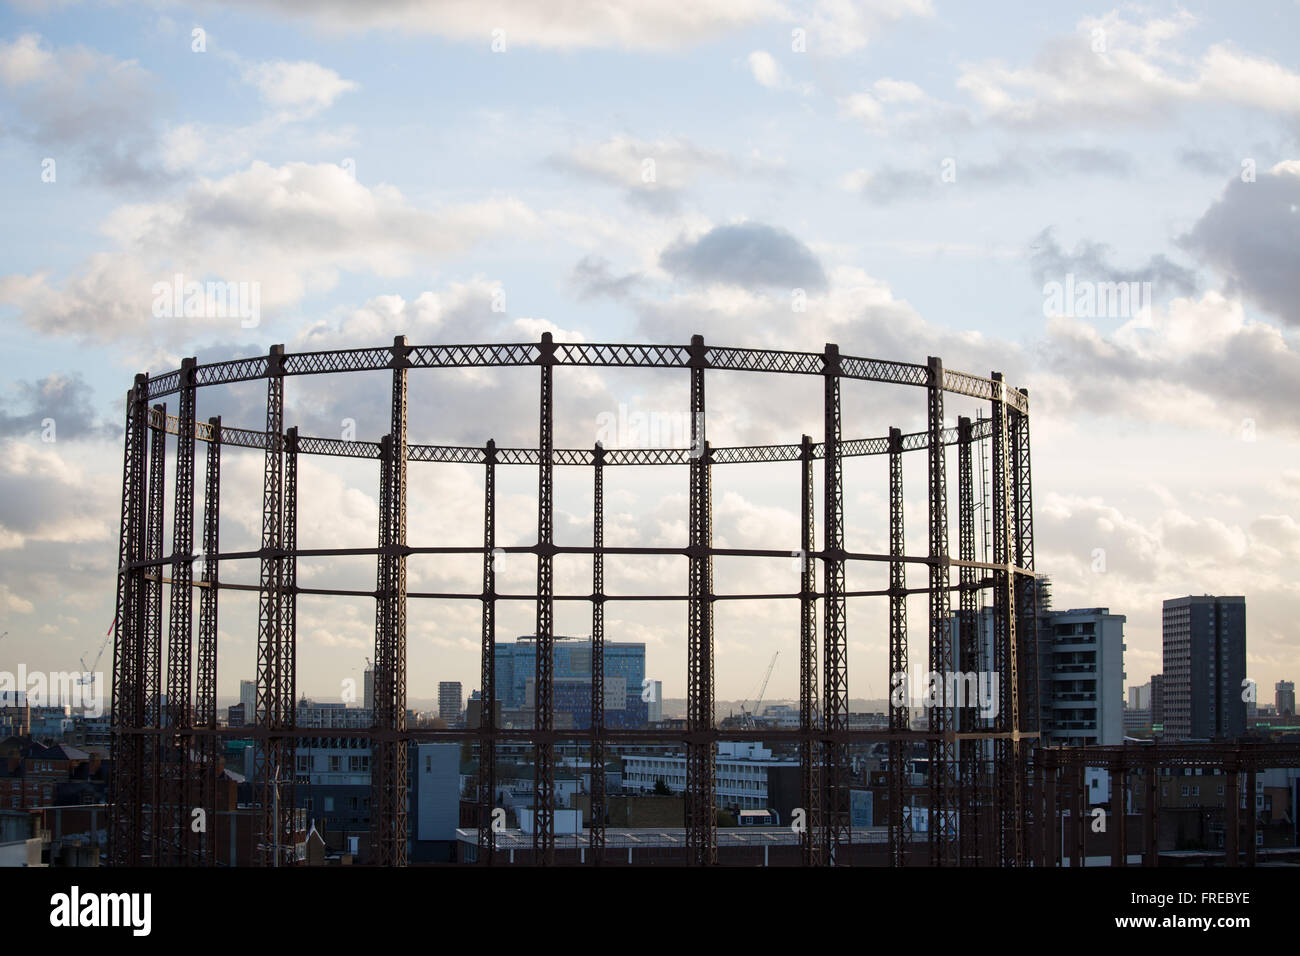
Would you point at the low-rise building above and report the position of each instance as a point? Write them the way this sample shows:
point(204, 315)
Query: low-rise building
point(741, 773)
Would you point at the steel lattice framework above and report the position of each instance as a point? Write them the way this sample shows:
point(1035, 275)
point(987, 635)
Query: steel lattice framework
point(978, 775)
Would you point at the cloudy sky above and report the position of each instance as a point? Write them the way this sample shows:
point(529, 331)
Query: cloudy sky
point(902, 177)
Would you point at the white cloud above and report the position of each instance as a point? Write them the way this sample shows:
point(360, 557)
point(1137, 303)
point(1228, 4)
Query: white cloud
point(645, 164)
point(1179, 549)
point(291, 228)
point(77, 102)
point(767, 72)
point(1117, 70)
point(583, 24)
point(13, 604)
point(299, 85)
point(44, 496)
point(893, 104)
point(841, 27)
point(1196, 362)
point(656, 173)
point(24, 61)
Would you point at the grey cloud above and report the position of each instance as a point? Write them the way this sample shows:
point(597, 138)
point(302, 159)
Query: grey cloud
point(893, 183)
point(1251, 236)
point(1249, 373)
point(1090, 260)
point(1206, 162)
point(66, 399)
point(1019, 167)
point(1109, 162)
point(94, 115)
point(746, 254)
point(656, 175)
point(592, 278)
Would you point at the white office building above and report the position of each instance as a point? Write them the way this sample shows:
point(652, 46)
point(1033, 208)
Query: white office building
point(741, 773)
point(332, 716)
point(1086, 695)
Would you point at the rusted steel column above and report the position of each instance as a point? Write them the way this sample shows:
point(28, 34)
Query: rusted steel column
point(205, 714)
point(1231, 813)
point(1118, 818)
point(596, 833)
point(488, 696)
point(701, 832)
point(1251, 850)
point(835, 662)
point(1151, 815)
point(810, 784)
point(1051, 811)
point(1080, 814)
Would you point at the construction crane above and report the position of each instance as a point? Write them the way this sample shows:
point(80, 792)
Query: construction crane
point(88, 673)
point(747, 716)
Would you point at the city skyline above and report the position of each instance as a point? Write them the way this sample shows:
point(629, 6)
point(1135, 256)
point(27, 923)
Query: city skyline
point(971, 205)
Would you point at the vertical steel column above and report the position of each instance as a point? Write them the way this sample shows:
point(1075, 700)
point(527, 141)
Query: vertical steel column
point(544, 698)
point(900, 718)
point(381, 751)
point(1150, 814)
point(1051, 811)
point(810, 840)
point(1118, 816)
point(205, 715)
point(968, 751)
point(1251, 852)
point(1008, 766)
point(835, 711)
point(487, 676)
point(397, 779)
point(125, 822)
point(289, 647)
point(1026, 598)
point(156, 819)
point(177, 774)
point(1231, 813)
point(943, 751)
point(1079, 823)
point(270, 711)
point(1039, 843)
point(701, 835)
point(1026, 585)
point(596, 832)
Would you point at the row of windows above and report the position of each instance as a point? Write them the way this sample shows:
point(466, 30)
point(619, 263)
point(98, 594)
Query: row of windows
point(734, 770)
point(327, 804)
point(355, 763)
point(729, 784)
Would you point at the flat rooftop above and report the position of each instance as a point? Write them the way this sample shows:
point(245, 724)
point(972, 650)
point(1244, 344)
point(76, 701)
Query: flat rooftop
point(669, 837)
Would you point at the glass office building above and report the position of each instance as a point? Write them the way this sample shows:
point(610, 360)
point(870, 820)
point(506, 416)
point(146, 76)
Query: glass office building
point(516, 667)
